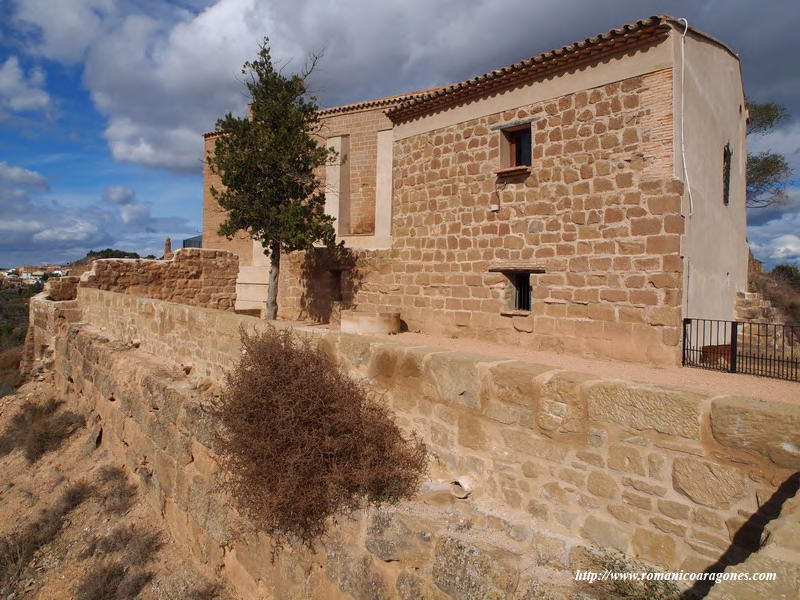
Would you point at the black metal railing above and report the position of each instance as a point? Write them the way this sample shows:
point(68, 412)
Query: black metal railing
point(765, 349)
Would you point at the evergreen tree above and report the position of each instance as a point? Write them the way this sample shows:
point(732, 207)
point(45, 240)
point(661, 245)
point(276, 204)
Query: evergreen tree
point(268, 164)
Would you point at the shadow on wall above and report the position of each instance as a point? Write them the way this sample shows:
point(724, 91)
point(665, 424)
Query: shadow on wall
point(330, 281)
point(748, 538)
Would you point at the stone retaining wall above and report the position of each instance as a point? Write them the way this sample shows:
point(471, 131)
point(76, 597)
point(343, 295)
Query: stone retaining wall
point(193, 276)
point(552, 461)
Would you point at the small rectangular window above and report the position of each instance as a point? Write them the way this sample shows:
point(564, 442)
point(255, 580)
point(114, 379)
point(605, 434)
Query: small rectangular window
point(519, 146)
point(522, 290)
point(727, 156)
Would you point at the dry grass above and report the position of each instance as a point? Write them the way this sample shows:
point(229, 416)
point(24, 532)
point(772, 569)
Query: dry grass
point(137, 544)
point(303, 442)
point(113, 581)
point(782, 289)
point(119, 495)
point(118, 572)
point(626, 589)
point(205, 592)
point(38, 428)
point(18, 548)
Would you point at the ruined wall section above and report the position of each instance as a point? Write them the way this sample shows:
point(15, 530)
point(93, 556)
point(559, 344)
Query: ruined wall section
point(665, 474)
point(193, 276)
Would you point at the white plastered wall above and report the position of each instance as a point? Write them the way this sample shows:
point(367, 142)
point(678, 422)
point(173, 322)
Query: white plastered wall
point(714, 244)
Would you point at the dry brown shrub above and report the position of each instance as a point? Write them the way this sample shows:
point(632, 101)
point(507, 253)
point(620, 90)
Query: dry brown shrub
point(113, 581)
point(118, 495)
point(18, 548)
point(139, 545)
point(781, 290)
point(303, 442)
point(38, 428)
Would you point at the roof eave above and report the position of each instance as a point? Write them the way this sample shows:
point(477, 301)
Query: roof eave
point(616, 41)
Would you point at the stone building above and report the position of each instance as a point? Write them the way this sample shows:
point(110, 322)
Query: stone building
point(584, 200)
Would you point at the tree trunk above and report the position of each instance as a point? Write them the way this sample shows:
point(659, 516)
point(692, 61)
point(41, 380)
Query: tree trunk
point(271, 311)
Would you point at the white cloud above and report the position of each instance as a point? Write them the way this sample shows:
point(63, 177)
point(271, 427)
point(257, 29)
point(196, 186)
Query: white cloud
point(13, 176)
point(34, 224)
point(64, 31)
point(117, 194)
point(74, 231)
point(775, 236)
point(19, 225)
point(162, 74)
point(20, 92)
point(785, 140)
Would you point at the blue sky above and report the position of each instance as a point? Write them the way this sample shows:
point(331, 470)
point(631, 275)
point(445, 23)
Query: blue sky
point(103, 102)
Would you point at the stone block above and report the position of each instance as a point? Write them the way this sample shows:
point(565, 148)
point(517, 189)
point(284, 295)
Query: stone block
point(605, 534)
point(644, 486)
point(394, 537)
point(709, 484)
point(529, 445)
point(468, 572)
point(643, 408)
point(673, 510)
point(624, 513)
point(411, 586)
point(766, 427)
point(626, 459)
point(602, 485)
point(656, 548)
point(513, 383)
point(456, 376)
point(472, 433)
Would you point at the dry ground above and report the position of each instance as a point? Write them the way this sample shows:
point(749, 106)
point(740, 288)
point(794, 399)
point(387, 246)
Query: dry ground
point(73, 526)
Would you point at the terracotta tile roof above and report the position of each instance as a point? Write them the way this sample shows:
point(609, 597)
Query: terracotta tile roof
point(409, 104)
point(627, 36)
point(387, 101)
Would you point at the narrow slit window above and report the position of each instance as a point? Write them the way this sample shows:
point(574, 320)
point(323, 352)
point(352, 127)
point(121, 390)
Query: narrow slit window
point(336, 285)
point(522, 290)
point(519, 145)
point(727, 156)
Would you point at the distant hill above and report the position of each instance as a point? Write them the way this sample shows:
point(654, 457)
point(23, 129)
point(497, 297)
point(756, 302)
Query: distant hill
point(84, 264)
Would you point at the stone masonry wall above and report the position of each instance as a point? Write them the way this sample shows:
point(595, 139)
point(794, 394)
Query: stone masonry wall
point(362, 127)
point(213, 216)
point(194, 276)
point(669, 475)
point(599, 214)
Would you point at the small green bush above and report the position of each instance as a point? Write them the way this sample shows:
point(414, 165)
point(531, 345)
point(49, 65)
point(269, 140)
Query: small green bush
point(302, 442)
